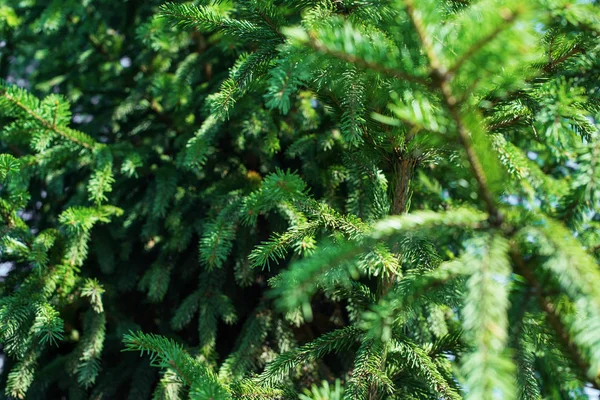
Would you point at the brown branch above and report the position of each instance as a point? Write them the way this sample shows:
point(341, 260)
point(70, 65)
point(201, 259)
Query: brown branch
point(441, 79)
point(315, 44)
point(270, 24)
point(179, 372)
point(505, 123)
point(551, 315)
point(553, 63)
point(547, 68)
point(508, 17)
point(404, 169)
point(474, 161)
point(434, 61)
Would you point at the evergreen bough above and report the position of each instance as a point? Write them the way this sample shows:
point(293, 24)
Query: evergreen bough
point(300, 199)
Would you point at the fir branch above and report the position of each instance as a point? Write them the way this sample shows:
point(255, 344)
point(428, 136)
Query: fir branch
point(338, 340)
point(487, 369)
point(21, 376)
point(269, 22)
point(358, 97)
point(69, 134)
point(366, 377)
point(551, 65)
point(509, 18)
point(551, 314)
point(496, 217)
point(415, 358)
point(249, 342)
point(314, 43)
point(166, 353)
point(424, 38)
point(441, 79)
point(206, 18)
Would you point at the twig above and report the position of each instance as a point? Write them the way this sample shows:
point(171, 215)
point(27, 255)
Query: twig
point(43, 122)
point(509, 17)
point(551, 314)
point(442, 79)
point(362, 63)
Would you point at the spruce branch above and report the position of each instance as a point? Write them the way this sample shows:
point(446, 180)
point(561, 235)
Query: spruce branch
point(67, 133)
point(358, 98)
point(552, 64)
point(551, 314)
point(425, 40)
point(338, 340)
point(415, 358)
point(509, 18)
point(270, 24)
point(441, 79)
point(496, 217)
point(166, 353)
point(368, 375)
point(314, 43)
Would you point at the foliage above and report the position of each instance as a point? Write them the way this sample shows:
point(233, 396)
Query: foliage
point(316, 199)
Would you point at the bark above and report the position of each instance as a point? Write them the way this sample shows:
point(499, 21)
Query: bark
point(404, 169)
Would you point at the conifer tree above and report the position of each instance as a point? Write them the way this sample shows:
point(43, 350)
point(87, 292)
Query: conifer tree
point(307, 199)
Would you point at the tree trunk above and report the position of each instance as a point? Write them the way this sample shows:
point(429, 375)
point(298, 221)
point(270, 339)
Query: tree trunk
point(404, 169)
